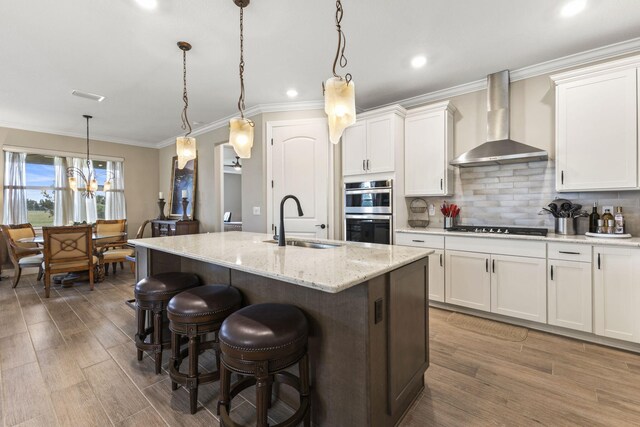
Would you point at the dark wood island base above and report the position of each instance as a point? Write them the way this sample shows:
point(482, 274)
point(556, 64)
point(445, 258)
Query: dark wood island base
point(368, 344)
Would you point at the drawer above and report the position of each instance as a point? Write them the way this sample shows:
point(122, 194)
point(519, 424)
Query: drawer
point(420, 239)
point(502, 246)
point(569, 252)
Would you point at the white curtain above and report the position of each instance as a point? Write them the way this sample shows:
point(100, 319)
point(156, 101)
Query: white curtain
point(14, 209)
point(115, 206)
point(63, 201)
point(84, 209)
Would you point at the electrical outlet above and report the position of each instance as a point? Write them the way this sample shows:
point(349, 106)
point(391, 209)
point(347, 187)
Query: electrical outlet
point(256, 210)
point(432, 210)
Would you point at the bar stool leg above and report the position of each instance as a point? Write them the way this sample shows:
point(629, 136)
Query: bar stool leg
point(141, 327)
point(303, 367)
point(262, 397)
point(175, 355)
point(192, 382)
point(157, 338)
point(270, 390)
point(225, 385)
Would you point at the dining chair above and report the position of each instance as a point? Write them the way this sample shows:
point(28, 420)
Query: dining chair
point(139, 235)
point(22, 255)
point(68, 249)
point(114, 250)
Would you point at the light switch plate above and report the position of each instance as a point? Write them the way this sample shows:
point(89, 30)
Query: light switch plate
point(256, 210)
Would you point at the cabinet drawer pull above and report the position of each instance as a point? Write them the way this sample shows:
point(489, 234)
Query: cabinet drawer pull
point(486, 265)
point(368, 165)
point(440, 260)
point(441, 183)
point(552, 272)
point(493, 265)
point(569, 252)
point(363, 167)
point(598, 261)
point(418, 241)
point(561, 177)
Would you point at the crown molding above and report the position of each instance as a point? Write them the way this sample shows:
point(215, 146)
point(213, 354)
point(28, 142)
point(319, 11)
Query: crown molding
point(548, 67)
point(249, 112)
point(82, 135)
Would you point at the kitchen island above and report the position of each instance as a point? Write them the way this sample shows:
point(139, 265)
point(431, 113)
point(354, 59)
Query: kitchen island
point(367, 307)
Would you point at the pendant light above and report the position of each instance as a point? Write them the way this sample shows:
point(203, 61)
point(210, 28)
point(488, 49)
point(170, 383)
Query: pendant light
point(339, 92)
point(185, 145)
point(241, 128)
point(88, 183)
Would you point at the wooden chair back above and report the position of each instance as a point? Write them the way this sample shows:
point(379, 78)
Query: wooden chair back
point(12, 234)
point(140, 232)
point(64, 246)
point(104, 226)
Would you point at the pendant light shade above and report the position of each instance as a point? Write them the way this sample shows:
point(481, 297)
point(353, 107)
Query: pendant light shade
point(73, 183)
point(339, 92)
point(241, 136)
point(186, 148)
point(185, 145)
point(340, 106)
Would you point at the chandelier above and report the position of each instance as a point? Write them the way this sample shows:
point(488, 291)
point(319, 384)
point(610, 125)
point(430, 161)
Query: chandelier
point(88, 183)
point(185, 145)
point(241, 128)
point(339, 92)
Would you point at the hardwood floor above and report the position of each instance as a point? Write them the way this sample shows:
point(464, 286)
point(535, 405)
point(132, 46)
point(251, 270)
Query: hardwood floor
point(70, 361)
point(475, 380)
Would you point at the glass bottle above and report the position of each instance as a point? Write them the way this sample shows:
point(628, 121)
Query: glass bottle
point(593, 219)
point(619, 221)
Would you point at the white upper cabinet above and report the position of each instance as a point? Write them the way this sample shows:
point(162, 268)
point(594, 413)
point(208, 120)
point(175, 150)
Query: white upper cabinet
point(428, 146)
point(370, 145)
point(596, 127)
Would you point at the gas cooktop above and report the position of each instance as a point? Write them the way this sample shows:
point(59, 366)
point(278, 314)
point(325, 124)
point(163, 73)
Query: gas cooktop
point(481, 229)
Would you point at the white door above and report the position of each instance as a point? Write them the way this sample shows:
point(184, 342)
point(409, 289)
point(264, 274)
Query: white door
point(380, 146)
point(425, 154)
point(616, 282)
point(519, 287)
point(300, 166)
point(468, 280)
point(436, 275)
point(597, 121)
point(354, 149)
point(570, 302)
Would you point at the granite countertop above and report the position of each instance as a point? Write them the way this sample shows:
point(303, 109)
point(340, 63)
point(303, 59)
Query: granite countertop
point(330, 270)
point(551, 237)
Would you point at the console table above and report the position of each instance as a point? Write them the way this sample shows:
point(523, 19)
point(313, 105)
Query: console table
point(173, 227)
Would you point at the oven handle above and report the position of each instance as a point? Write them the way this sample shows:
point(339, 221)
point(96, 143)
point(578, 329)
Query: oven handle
point(371, 191)
point(380, 217)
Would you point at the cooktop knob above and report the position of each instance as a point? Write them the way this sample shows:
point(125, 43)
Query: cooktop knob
point(506, 231)
point(499, 230)
point(484, 230)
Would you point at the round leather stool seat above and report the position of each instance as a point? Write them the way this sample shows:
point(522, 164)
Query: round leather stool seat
point(204, 304)
point(265, 332)
point(165, 284)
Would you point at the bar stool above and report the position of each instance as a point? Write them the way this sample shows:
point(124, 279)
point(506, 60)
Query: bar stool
point(260, 341)
point(152, 296)
point(195, 313)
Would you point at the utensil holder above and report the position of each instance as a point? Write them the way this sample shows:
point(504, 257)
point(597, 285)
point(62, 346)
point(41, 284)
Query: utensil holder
point(449, 221)
point(566, 226)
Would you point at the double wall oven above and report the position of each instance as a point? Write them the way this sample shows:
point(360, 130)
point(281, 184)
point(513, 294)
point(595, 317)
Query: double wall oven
point(368, 211)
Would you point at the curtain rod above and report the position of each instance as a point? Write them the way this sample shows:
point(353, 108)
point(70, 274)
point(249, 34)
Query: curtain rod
point(32, 150)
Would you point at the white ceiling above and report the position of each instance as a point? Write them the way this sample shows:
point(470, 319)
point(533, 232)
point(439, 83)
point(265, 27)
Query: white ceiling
point(116, 49)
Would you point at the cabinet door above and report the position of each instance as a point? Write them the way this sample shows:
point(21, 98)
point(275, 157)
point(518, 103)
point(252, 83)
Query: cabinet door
point(519, 287)
point(597, 121)
point(354, 149)
point(380, 144)
point(616, 281)
point(468, 280)
point(570, 302)
point(425, 160)
point(436, 276)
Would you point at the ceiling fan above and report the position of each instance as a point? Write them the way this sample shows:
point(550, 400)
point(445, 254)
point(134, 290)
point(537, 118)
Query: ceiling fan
point(235, 165)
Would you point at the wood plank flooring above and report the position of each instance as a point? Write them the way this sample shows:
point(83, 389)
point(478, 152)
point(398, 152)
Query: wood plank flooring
point(70, 361)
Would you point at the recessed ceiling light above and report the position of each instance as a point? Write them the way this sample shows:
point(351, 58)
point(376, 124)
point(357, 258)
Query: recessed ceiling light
point(147, 4)
point(573, 8)
point(418, 61)
point(88, 95)
point(292, 93)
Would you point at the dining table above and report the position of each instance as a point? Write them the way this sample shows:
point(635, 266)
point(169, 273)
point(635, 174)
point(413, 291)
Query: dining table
point(69, 278)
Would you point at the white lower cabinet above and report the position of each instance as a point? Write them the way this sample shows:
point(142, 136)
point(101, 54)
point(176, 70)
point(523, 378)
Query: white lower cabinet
point(518, 287)
point(436, 261)
point(468, 281)
point(569, 288)
point(616, 280)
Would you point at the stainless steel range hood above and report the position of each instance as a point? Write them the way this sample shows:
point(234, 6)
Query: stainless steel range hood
point(499, 148)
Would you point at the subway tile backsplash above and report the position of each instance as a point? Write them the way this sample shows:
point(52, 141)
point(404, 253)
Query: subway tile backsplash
point(514, 195)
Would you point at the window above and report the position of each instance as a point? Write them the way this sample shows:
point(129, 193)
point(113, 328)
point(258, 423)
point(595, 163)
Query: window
point(40, 186)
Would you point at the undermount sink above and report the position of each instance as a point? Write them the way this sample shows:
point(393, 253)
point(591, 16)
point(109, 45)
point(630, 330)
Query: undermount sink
point(306, 244)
